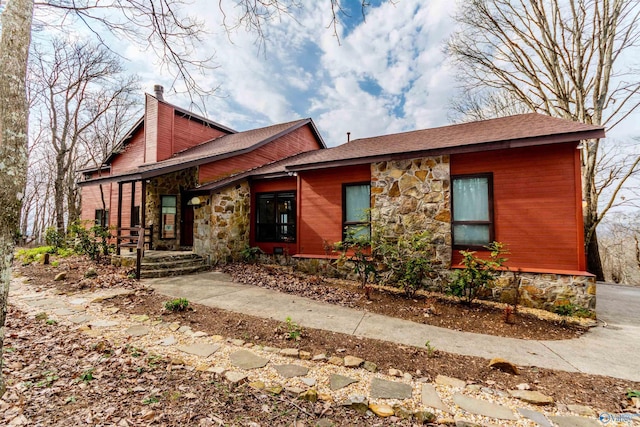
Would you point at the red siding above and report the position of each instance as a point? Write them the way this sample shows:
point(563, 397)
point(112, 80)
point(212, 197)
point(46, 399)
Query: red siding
point(151, 130)
point(189, 133)
point(266, 186)
point(164, 143)
point(91, 200)
point(298, 141)
point(126, 203)
point(132, 156)
point(320, 205)
point(537, 204)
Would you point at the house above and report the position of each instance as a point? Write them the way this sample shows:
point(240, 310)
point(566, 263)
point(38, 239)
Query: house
point(515, 180)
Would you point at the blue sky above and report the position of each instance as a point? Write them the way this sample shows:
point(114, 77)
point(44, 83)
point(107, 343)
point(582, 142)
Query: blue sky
point(386, 75)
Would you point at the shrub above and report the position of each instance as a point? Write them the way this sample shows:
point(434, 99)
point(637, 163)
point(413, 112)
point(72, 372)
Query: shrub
point(93, 242)
point(54, 238)
point(477, 273)
point(570, 309)
point(356, 248)
point(178, 304)
point(408, 258)
point(27, 256)
point(251, 253)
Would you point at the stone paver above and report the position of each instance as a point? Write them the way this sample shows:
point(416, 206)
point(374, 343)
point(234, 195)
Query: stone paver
point(384, 389)
point(245, 359)
point(352, 361)
point(137, 331)
point(170, 340)
point(535, 416)
point(574, 421)
point(64, 312)
point(482, 407)
point(202, 350)
point(450, 381)
point(336, 382)
point(235, 377)
point(102, 323)
point(532, 396)
point(291, 370)
point(431, 399)
point(81, 318)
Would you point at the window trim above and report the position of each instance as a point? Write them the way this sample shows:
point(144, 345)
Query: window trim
point(175, 225)
point(346, 223)
point(294, 216)
point(490, 222)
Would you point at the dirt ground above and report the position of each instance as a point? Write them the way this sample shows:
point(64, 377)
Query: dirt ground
point(570, 388)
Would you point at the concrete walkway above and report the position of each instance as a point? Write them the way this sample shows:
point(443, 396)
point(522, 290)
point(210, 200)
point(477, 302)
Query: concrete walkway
point(610, 350)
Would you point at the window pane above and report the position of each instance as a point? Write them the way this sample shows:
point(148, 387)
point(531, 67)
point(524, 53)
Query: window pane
point(472, 235)
point(276, 217)
point(169, 201)
point(266, 209)
point(471, 199)
point(168, 217)
point(357, 203)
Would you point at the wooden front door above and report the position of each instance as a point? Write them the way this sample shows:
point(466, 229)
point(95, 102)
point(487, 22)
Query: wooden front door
point(186, 223)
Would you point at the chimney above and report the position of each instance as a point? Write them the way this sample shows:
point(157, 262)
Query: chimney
point(348, 136)
point(158, 90)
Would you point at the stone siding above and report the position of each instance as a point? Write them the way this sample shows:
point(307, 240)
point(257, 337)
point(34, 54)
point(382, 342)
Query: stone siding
point(171, 184)
point(409, 196)
point(221, 224)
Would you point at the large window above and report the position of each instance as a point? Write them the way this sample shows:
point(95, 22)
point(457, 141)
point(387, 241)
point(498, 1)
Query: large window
point(102, 217)
point(356, 199)
point(276, 217)
point(168, 213)
point(472, 210)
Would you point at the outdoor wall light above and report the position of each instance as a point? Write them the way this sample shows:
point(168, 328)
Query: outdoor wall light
point(195, 201)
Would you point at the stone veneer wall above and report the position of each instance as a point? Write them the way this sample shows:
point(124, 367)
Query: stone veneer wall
point(409, 196)
point(221, 224)
point(170, 184)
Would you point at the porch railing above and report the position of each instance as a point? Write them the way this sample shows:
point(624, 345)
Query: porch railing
point(134, 237)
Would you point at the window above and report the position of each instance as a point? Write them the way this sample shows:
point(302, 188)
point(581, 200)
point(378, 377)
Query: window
point(168, 212)
point(102, 217)
point(356, 203)
point(472, 210)
point(135, 216)
point(276, 217)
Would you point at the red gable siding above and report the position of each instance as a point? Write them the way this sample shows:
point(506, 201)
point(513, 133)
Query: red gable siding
point(189, 133)
point(537, 203)
point(150, 130)
point(132, 156)
point(91, 200)
point(320, 205)
point(297, 141)
point(164, 125)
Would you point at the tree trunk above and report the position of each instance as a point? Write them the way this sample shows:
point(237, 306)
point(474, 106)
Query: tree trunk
point(594, 263)
point(59, 193)
point(14, 51)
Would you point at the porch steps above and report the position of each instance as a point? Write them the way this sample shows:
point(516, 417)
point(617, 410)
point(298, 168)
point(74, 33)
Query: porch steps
point(165, 264)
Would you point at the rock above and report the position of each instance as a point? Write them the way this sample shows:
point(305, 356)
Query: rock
point(424, 417)
point(523, 386)
point(217, 370)
point(323, 422)
point(482, 407)
point(474, 387)
point(358, 403)
point(290, 352)
point(381, 410)
point(310, 395)
point(573, 421)
point(503, 365)
point(319, 357)
point(199, 334)
point(325, 397)
point(352, 361)
point(173, 327)
point(185, 330)
point(294, 390)
point(237, 342)
point(258, 385)
point(82, 318)
point(290, 370)
point(336, 382)
point(535, 416)
point(451, 382)
point(304, 355)
point(170, 340)
point(309, 381)
point(60, 276)
point(407, 376)
point(534, 397)
point(137, 331)
point(585, 411)
point(431, 399)
point(466, 423)
point(370, 366)
point(202, 350)
point(235, 377)
point(245, 359)
point(140, 318)
point(276, 389)
point(335, 360)
point(383, 389)
point(90, 273)
point(402, 412)
point(102, 323)
point(177, 361)
point(395, 372)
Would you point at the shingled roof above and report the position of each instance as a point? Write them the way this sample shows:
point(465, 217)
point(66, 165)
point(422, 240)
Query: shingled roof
point(216, 149)
point(505, 132)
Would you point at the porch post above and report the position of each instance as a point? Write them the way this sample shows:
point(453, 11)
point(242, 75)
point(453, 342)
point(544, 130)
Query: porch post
point(133, 203)
point(143, 211)
point(119, 218)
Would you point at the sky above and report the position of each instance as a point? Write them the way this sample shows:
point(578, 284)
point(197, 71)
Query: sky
point(386, 74)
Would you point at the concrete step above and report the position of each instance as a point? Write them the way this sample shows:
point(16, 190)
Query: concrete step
point(168, 272)
point(176, 263)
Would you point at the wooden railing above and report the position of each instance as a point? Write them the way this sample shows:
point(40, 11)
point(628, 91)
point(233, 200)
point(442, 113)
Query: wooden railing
point(134, 238)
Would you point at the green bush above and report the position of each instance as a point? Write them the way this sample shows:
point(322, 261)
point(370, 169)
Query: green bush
point(54, 238)
point(570, 309)
point(478, 273)
point(178, 304)
point(356, 248)
point(408, 258)
point(251, 253)
point(93, 242)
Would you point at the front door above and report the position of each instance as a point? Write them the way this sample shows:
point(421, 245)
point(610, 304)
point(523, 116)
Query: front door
point(186, 223)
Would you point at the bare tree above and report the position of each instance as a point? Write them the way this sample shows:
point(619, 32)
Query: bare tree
point(78, 83)
point(14, 51)
point(564, 58)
